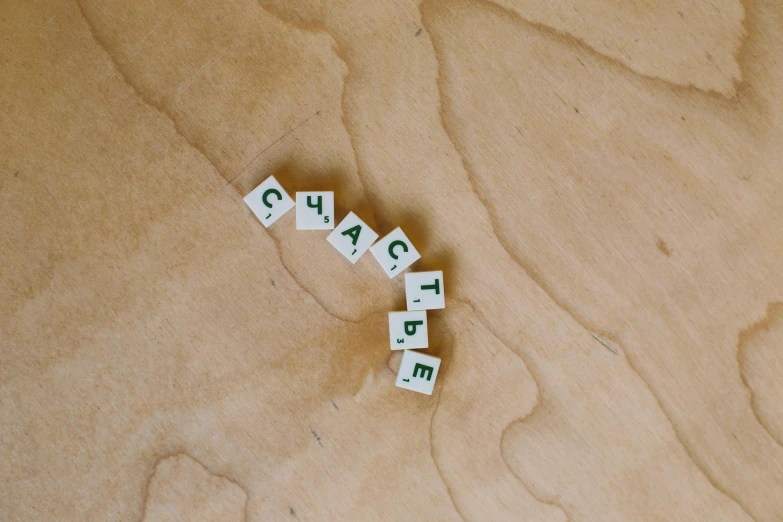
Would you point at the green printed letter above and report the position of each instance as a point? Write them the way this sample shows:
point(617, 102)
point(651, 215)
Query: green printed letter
point(394, 244)
point(318, 205)
point(265, 196)
point(425, 370)
point(434, 286)
point(353, 233)
point(410, 327)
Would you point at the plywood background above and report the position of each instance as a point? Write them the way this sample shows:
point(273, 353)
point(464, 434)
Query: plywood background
point(600, 181)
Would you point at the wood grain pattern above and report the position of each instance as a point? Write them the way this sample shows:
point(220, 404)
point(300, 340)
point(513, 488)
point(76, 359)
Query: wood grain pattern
point(600, 182)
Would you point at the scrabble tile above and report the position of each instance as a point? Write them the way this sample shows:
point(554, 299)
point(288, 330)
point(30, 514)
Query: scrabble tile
point(424, 290)
point(395, 252)
point(314, 210)
point(269, 201)
point(408, 330)
point(418, 372)
point(352, 237)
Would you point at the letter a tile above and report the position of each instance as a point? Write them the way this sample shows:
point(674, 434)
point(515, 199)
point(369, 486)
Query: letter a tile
point(352, 237)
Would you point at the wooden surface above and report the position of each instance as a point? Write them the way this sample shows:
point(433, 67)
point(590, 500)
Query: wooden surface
point(599, 180)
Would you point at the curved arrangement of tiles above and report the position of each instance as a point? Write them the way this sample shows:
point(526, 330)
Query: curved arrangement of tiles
point(352, 237)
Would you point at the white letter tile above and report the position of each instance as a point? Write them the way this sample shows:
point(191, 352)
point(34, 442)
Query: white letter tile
point(269, 201)
point(424, 290)
point(408, 330)
point(418, 372)
point(314, 210)
point(395, 252)
point(352, 237)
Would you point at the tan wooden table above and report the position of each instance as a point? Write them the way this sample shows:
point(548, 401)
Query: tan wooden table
point(600, 181)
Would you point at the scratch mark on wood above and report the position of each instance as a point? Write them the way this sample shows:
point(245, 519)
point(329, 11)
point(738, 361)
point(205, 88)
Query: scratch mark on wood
point(316, 437)
point(184, 86)
point(135, 47)
point(244, 170)
point(603, 343)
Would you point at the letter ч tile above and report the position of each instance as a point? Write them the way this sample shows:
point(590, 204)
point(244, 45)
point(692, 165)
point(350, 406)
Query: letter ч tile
point(314, 210)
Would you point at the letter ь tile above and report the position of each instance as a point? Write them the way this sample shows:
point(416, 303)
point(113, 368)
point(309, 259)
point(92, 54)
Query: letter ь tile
point(408, 330)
